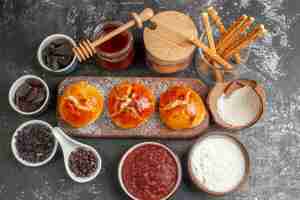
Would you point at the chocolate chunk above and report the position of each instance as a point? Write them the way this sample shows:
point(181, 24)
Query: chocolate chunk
point(23, 90)
point(30, 95)
point(35, 83)
point(58, 54)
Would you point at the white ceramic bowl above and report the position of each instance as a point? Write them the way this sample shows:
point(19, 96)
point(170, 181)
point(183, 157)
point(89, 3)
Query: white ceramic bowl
point(179, 169)
point(45, 43)
point(15, 151)
point(226, 136)
point(93, 175)
point(17, 84)
point(68, 145)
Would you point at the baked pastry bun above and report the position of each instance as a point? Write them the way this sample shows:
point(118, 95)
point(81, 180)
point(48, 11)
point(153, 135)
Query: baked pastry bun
point(181, 107)
point(81, 104)
point(130, 104)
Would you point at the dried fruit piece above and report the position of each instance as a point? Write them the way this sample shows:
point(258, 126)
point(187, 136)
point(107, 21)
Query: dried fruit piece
point(35, 143)
point(83, 162)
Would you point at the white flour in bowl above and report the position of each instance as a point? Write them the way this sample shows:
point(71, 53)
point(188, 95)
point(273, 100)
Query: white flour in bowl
point(218, 163)
point(240, 108)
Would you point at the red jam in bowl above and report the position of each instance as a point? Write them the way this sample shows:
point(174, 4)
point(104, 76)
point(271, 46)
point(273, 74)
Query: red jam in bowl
point(150, 172)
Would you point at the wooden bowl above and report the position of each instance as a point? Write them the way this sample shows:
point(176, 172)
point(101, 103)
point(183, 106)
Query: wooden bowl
point(244, 152)
point(178, 164)
point(219, 89)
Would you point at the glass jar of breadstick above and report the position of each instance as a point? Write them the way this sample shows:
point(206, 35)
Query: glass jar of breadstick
point(207, 69)
point(231, 43)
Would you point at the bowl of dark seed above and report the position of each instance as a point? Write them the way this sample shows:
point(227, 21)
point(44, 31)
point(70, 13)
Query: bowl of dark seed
point(55, 54)
point(84, 164)
point(33, 143)
point(29, 95)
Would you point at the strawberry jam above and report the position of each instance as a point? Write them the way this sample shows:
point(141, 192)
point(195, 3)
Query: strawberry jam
point(150, 172)
point(116, 53)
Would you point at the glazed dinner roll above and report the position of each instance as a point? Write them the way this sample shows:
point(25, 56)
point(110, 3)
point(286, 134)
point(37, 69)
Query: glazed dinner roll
point(180, 107)
point(81, 104)
point(130, 104)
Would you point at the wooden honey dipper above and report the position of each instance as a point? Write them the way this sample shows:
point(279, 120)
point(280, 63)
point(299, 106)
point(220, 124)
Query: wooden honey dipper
point(86, 49)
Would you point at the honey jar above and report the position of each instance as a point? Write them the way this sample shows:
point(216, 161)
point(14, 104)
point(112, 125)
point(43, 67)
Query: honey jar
point(166, 51)
point(116, 53)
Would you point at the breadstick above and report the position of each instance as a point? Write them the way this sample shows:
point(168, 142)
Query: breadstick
point(218, 74)
point(244, 41)
point(235, 23)
point(217, 20)
point(230, 36)
point(244, 28)
point(248, 22)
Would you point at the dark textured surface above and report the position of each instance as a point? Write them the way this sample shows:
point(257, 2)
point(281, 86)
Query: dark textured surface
point(273, 143)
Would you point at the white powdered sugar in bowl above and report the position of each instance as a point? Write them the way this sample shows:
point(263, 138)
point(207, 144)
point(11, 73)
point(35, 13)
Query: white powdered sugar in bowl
point(217, 164)
point(240, 108)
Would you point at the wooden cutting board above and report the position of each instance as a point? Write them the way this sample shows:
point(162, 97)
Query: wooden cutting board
point(153, 128)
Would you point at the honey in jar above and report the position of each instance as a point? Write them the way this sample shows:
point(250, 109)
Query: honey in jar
point(116, 53)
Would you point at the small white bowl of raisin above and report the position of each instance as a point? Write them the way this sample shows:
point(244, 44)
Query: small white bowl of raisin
point(33, 143)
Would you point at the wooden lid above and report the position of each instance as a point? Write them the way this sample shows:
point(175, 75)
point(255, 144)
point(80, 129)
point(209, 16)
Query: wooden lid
point(164, 45)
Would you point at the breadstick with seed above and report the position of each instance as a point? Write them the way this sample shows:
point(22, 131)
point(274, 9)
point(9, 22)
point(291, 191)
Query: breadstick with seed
point(245, 41)
point(247, 24)
point(231, 35)
point(211, 43)
point(237, 34)
point(218, 21)
point(236, 22)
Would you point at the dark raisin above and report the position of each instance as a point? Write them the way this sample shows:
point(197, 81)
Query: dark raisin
point(35, 143)
point(83, 162)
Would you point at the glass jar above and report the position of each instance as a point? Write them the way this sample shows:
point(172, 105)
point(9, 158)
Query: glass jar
point(116, 53)
point(205, 68)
